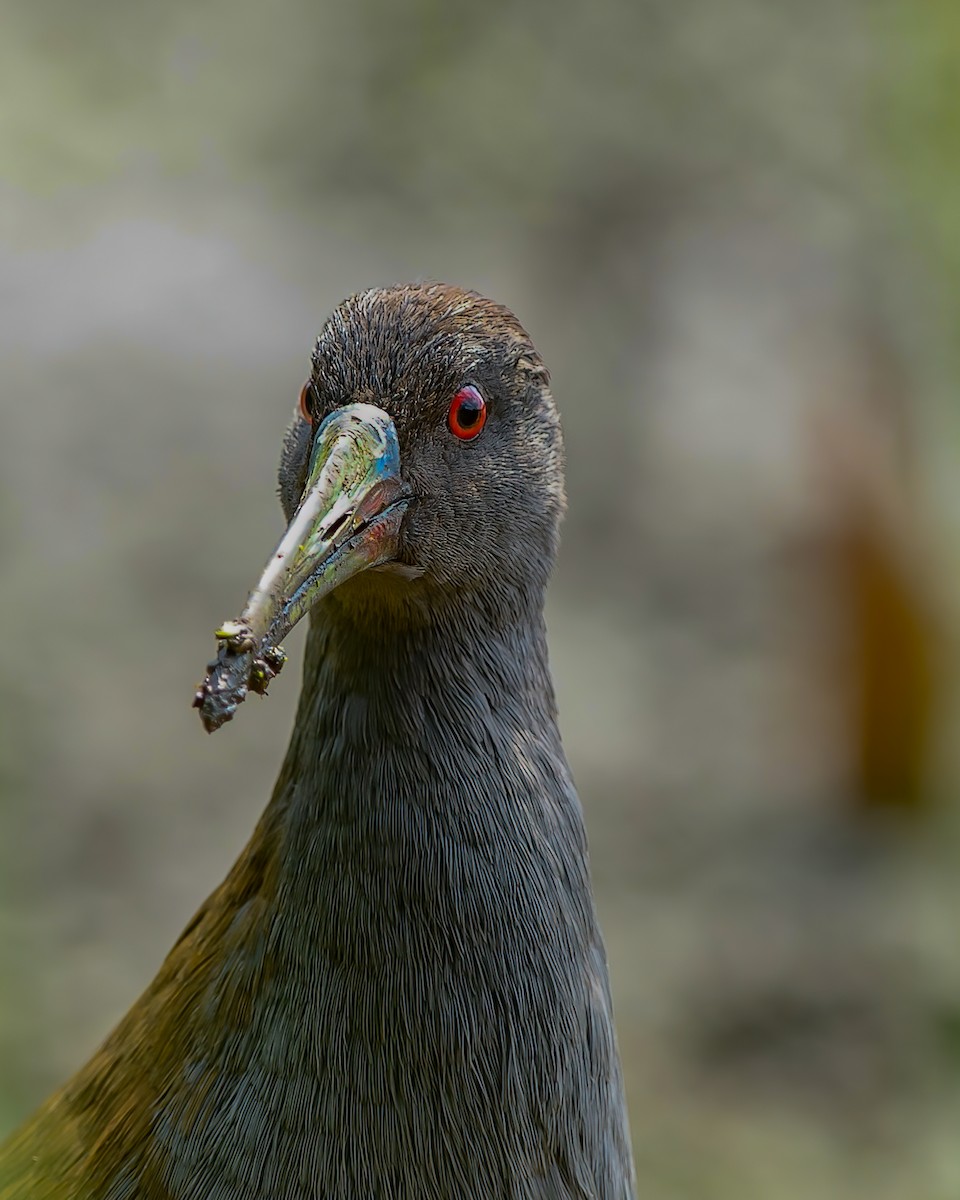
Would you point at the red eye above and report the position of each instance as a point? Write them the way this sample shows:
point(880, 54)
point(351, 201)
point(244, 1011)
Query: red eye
point(468, 413)
point(305, 403)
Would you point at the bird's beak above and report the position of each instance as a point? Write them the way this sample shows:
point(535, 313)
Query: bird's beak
point(348, 520)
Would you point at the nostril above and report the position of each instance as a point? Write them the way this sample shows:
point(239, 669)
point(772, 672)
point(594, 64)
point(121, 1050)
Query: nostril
point(337, 525)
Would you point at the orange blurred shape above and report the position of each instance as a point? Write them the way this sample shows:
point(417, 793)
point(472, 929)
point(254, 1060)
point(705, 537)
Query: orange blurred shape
point(894, 645)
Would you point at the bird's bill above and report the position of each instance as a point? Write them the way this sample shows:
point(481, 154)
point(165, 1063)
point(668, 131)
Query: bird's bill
point(348, 520)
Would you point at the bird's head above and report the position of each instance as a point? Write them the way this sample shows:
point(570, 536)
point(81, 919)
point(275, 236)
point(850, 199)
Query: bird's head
point(471, 486)
point(423, 467)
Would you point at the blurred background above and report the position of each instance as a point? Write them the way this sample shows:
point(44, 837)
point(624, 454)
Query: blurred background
point(733, 229)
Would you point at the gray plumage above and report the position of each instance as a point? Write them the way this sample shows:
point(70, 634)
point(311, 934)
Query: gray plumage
point(401, 990)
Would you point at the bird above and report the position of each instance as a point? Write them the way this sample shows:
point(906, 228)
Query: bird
point(400, 990)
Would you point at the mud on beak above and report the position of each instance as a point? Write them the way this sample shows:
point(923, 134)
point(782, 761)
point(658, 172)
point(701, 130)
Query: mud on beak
point(348, 520)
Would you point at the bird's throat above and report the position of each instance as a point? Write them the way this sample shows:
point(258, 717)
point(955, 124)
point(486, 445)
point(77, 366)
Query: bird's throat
point(415, 750)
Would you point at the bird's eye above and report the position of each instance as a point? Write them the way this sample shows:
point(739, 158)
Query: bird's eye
point(305, 403)
point(468, 413)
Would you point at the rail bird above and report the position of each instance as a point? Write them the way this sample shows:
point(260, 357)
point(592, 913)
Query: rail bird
point(400, 990)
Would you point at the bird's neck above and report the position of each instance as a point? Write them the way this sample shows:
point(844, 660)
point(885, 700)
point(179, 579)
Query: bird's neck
point(424, 782)
point(443, 690)
point(401, 977)
point(413, 741)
